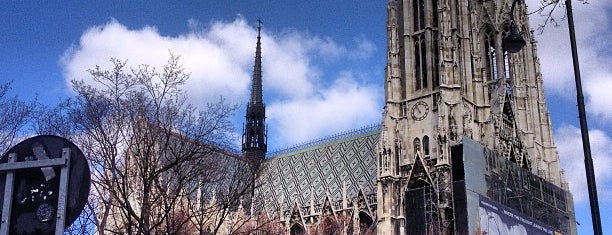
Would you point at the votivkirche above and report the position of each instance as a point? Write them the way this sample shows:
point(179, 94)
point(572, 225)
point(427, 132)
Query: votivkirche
point(464, 145)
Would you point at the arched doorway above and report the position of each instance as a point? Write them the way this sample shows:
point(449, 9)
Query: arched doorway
point(297, 229)
point(419, 210)
point(365, 223)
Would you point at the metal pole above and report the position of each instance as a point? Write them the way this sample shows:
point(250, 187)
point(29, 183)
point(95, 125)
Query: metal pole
point(586, 146)
point(7, 204)
point(60, 217)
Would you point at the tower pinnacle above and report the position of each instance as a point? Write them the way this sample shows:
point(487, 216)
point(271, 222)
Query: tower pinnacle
point(254, 140)
point(256, 86)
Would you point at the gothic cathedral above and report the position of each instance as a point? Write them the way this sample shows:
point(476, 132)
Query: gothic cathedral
point(465, 143)
point(464, 120)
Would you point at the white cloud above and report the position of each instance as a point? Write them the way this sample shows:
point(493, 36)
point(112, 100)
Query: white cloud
point(216, 65)
point(600, 97)
point(344, 105)
point(569, 145)
point(362, 49)
point(287, 66)
point(592, 23)
point(219, 56)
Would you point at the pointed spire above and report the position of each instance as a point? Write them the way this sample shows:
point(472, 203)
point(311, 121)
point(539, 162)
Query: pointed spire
point(254, 141)
point(256, 89)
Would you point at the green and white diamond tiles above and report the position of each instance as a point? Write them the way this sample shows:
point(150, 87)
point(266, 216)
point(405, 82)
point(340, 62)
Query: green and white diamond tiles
point(321, 169)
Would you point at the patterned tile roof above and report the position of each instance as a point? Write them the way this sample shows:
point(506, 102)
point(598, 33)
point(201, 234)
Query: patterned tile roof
point(323, 168)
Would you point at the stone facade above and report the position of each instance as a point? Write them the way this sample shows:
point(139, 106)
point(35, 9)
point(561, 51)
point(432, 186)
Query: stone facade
point(449, 78)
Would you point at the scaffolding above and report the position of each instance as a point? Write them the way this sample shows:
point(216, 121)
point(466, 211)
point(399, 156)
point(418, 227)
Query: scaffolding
point(429, 207)
point(518, 188)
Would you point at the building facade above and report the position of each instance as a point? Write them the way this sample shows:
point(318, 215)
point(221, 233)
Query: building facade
point(449, 81)
point(465, 143)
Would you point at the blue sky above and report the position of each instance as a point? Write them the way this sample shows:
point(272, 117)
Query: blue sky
point(323, 64)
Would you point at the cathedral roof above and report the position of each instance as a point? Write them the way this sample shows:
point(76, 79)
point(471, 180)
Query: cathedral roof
point(325, 167)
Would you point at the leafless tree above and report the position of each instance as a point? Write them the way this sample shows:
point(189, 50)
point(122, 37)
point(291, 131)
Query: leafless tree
point(158, 164)
point(14, 116)
point(547, 9)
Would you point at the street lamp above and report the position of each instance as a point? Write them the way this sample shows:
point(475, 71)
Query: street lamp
point(584, 129)
point(513, 42)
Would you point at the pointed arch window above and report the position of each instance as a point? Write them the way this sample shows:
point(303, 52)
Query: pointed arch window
point(426, 44)
point(420, 61)
point(398, 151)
point(506, 31)
point(380, 162)
point(490, 55)
point(418, 10)
point(435, 73)
point(507, 63)
point(297, 229)
point(434, 10)
point(416, 143)
point(426, 145)
point(365, 222)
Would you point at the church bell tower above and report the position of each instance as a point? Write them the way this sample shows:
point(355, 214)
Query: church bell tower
point(254, 140)
point(448, 82)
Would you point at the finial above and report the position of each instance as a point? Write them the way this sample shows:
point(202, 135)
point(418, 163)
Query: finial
point(259, 22)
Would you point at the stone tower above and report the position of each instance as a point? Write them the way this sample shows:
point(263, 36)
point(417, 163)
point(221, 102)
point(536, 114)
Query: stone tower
point(449, 82)
point(254, 140)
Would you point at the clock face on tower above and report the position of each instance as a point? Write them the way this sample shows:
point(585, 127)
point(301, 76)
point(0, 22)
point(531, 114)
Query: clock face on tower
point(419, 111)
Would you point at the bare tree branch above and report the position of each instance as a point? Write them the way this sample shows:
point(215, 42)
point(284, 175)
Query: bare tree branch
point(547, 9)
point(158, 163)
point(14, 116)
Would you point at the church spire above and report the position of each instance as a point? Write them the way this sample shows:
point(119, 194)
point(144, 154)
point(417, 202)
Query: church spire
point(254, 140)
point(256, 89)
